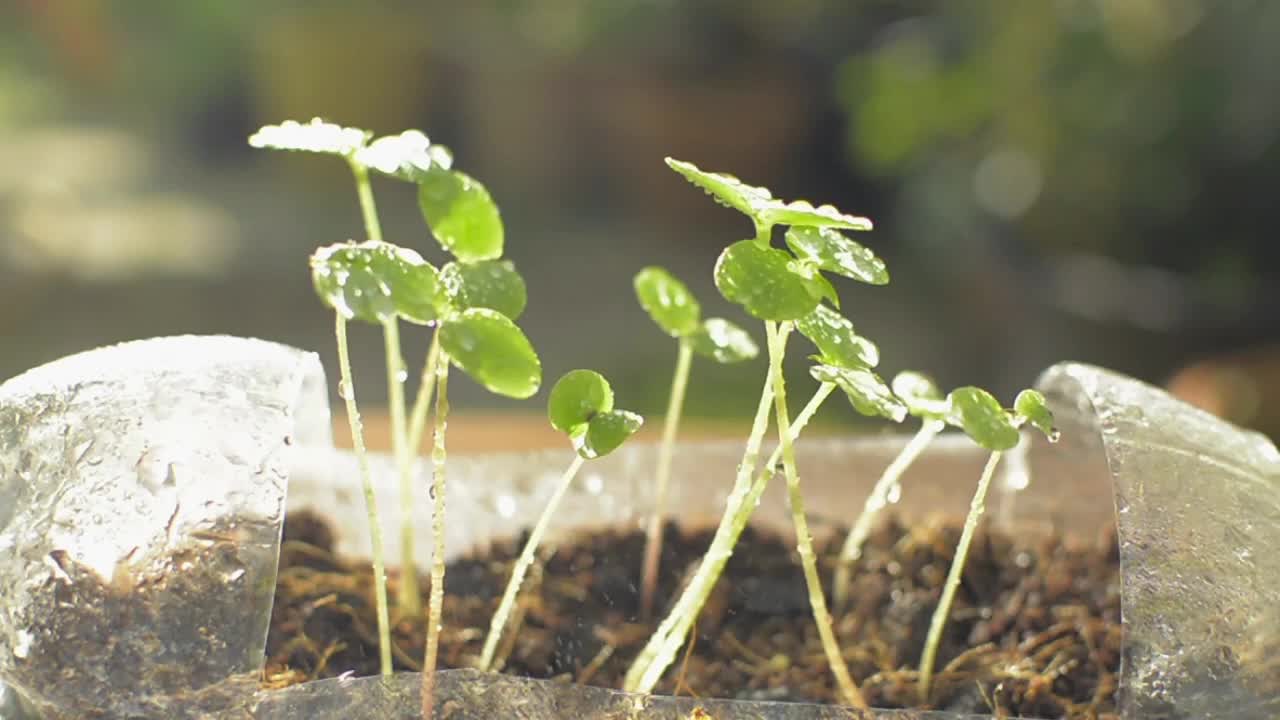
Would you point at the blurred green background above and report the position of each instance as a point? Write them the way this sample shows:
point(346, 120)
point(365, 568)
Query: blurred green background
point(1062, 179)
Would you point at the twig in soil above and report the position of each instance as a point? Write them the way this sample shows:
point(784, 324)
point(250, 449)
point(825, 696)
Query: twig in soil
point(597, 662)
point(684, 663)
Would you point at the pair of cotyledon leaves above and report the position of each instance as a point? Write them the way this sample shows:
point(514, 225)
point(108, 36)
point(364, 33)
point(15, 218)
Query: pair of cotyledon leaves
point(975, 411)
point(475, 299)
point(674, 308)
point(581, 406)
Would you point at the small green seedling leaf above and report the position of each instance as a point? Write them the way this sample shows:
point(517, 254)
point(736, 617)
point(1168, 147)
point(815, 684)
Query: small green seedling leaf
point(493, 284)
point(375, 282)
point(758, 279)
point(407, 156)
point(979, 414)
point(576, 398)
point(667, 301)
point(867, 391)
point(316, 136)
point(723, 188)
point(723, 341)
point(801, 213)
point(486, 345)
point(817, 285)
point(461, 215)
point(1033, 408)
point(921, 394)
point(832, 251)
point(836, 339)
point(606, 431)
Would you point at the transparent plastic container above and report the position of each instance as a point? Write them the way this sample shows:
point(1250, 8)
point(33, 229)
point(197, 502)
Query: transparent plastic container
point(1196, 502)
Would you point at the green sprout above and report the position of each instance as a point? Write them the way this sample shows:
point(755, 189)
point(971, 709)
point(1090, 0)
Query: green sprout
point(675, 310)
point(472, 302)
point(581, 406)
point(998, 430)
point(785, 289)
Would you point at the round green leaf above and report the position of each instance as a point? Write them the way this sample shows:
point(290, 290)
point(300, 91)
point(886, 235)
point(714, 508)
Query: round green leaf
point(577, 397)
point(801, 213)
point(493, 284)
point(979, 414)
point(407, 156)
point(758, 279)
point(817, 285)
point(835, 338)
point(486, 345)
point(724, 189)
point(461, 215)
point(606, 431)
point(316, 136)
point(1033, 408)
point(723, 341)
point(375, 281)
point(921, 394)
point(866, 391)
point(667, 301)
point(835, 253)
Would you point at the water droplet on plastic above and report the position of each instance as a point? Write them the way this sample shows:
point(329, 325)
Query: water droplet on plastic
point(22, 648)
point(506, 505)
point(234, 575)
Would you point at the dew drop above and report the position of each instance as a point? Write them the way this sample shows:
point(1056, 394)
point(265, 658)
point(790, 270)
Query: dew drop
point(344, 389)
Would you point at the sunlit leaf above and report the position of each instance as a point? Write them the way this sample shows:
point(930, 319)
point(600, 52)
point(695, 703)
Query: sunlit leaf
point(487, 346)
point(866, 391)
point(461, 215)
point(836, 339)
point(758, 279)
point(606, 431)
point(982, 418)
point(801, 213)
point(316, 136)
point(578, 396)
point(817, 285)
point(375, 282)
point(921, 394)
point(1033, 408)
point(493, 284)
point(723, 341)
point(667, 301)
point(724, 189)
point(408, 156)
point(835, 253)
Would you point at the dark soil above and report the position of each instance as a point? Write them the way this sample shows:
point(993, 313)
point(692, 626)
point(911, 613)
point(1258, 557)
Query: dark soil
point(1035, 631)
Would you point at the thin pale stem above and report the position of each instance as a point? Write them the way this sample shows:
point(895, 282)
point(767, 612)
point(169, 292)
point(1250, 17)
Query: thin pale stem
point(368, 210)
point(876, 501)
point(848, 690)
point(422, 402)
point(348, 392)
point(665, 642)
point(523, 564)
point(653, 539)
point(940, 613)
point(435, 603)
point(409, 599)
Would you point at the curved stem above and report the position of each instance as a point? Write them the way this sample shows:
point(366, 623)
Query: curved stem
point(879, 497)
point(422, 402)
point(435, 604)
point(409, 599)
point(348, 392)
point(848, 690)
point(940, 613)
point(523, 563)
point(653, 534)
point(368, 210)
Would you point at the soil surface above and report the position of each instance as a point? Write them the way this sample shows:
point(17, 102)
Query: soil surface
point(1034, 632)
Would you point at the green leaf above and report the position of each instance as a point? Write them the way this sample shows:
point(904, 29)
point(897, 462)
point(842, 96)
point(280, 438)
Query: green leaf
point(817, 285)
point(316, 136)
point(667, 301)
point(723, 341)
point(758, 279)
point(866, 391)
point(759, 204)
point(1033, 408)
point(836, 339)
point(486, 345)
point(578, 396)
point(835, 253)
point(979, 414)
point(407, 156)
point(493, 284)
point(606, 431)
point(375, 282)
point(461, 215)
point(921, 394)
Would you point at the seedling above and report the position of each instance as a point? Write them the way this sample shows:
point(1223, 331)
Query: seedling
point(675, 310)
point(472, 301)
point(785, 290)
point(581, 406)
point(998, 430)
